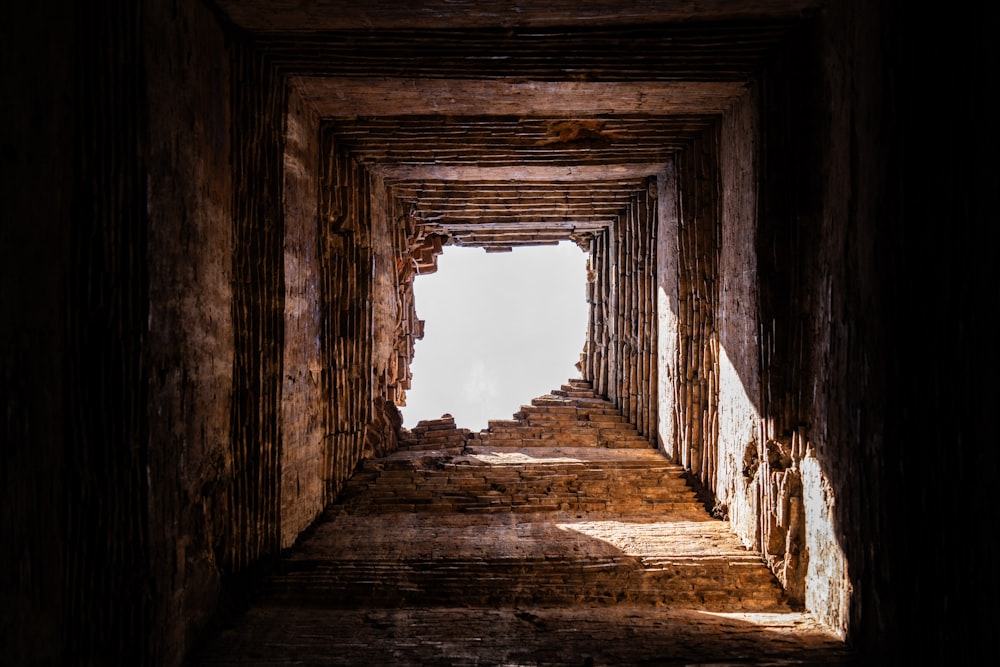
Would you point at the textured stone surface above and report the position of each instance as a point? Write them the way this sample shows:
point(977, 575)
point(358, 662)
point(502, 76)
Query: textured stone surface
point(143, 295)
point(191, 323)
point(488, 550)
point(527, 636)
point(282, 15)
point(302, 393)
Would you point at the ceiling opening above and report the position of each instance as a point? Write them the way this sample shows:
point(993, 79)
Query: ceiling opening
point(501, 328)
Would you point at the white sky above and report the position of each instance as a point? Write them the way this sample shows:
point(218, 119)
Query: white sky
point(500, 329)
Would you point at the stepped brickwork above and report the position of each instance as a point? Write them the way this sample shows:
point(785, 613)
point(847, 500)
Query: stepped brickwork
point(561, 515)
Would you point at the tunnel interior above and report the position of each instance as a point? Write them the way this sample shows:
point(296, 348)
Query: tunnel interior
point(651, 166)
point(216, 319)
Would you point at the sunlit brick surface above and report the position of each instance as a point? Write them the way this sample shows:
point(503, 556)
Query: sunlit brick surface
point(557, 537)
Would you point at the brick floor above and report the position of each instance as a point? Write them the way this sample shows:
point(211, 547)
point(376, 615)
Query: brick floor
point(559, 537)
